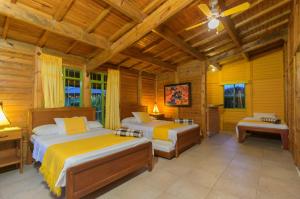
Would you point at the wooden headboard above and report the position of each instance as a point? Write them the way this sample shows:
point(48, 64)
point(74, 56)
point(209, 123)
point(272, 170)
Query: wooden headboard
point(37, 117)
point(126, 110)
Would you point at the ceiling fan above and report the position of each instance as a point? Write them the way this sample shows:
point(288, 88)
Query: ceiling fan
point(214, 14)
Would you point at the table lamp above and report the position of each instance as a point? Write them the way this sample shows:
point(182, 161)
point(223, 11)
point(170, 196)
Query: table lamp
point(3, 119)
point(155, 109)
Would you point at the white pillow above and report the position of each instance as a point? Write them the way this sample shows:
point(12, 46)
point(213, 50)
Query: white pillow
point(142, 117)
point(129, 120)
point(94, 124)
point(47, 129)
point(261, 115)
point(61, 125)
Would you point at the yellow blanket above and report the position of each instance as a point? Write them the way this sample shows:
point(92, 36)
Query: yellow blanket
point(56, 155)
point(162, 132)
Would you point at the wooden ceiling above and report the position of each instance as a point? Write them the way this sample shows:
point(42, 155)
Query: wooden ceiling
point(146, 35)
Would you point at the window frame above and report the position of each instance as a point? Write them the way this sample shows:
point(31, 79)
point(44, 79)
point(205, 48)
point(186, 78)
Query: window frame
point(234, 84)
point(74, 78)
point(102, 82)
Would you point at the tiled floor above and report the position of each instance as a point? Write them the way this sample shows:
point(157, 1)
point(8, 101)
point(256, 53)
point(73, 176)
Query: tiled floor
point(219, 168)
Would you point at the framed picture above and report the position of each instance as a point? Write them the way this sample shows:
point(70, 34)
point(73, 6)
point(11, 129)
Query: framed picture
point(178, 94)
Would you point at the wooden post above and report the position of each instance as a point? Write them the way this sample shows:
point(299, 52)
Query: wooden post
point(37, 89)
point(86, 88)
point(140, 88)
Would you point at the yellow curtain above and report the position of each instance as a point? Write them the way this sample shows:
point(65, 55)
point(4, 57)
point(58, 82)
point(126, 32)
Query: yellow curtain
point(112, 112)
point(52, 81)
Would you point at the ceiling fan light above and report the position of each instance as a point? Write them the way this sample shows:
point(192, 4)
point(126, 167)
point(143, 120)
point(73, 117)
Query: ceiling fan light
point(213, 23)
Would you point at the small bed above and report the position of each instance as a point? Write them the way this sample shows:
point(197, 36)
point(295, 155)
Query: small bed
point(181, 138)
point(253, 124)
point(85, 173)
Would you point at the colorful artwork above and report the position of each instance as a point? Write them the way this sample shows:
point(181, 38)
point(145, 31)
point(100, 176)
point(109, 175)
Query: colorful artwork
point(178, 94)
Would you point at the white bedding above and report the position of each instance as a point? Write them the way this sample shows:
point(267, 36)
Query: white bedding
point(41, 143)
point(252, 124)
point(268, 125)
point(148, 127)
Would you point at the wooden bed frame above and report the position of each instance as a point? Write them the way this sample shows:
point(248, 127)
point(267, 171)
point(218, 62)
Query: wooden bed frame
point(185, 140)
point(284, 134)
point(88, 177)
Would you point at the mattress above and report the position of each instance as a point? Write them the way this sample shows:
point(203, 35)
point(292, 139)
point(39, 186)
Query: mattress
point(41, 143)
point(268, 125)
point(148, 127)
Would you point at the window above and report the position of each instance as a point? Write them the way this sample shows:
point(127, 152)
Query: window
point(98, 94)
point(234, 96)
point(73, 87)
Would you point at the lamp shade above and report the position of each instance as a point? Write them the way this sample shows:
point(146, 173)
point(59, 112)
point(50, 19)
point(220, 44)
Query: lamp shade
point(3, 119)
point(155, 109)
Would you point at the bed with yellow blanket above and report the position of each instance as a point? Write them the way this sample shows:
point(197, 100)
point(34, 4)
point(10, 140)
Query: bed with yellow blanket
point(169, 139)
point(85, 162)
point(252, 124)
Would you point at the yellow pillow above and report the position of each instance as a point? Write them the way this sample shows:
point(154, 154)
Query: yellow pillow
point(142, 117)
point(75, 125)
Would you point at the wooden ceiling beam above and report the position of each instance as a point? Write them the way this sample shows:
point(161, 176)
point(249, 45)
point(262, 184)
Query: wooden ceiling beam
point(252, 5)
point(264, 31)
point(128, 8)
point(196, 34)
point(230, 29)
point(62, 9)
point(5, 29)
point(121, 31)
point(38, 19)
point(159, 16)
point(265, 40)
point(208, 39)
point(152, 6)
point(153, 45)
point(135, 54)
point(43, 39)
point(97, 21)
point(263, 23)
point(216, 45)
point(263, 12)
point(170, 36)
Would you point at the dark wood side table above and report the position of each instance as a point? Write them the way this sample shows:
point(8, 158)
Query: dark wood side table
point(159, 116)
point(11, 147)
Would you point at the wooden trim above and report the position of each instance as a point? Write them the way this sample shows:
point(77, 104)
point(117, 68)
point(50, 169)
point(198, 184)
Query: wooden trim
point(38, 19)
point(93, 175)
point(159, 16)
point(282, 132)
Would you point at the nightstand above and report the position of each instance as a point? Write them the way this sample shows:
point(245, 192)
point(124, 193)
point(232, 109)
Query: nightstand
point(159, 116)
point(11, 147)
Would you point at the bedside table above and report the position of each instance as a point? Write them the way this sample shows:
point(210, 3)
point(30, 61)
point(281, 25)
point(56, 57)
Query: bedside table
point(159, 116)
point(11, 147)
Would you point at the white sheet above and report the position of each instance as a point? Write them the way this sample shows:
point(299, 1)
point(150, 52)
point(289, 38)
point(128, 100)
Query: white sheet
point(41, 143)
point(148, 127)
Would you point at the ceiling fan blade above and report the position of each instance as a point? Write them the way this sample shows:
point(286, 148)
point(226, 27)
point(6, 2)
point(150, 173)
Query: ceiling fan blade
point(205, 9)
point(220, 28)
point(240, 8)
point(196, 25)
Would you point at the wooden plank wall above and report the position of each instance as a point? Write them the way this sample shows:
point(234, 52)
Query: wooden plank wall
point(133, 91)
point(195, 73)
point(293, 81)
point(148, 94)
point(261, 76)
point(16, 85)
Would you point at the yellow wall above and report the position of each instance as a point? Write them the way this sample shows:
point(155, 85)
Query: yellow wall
point(264, 81)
